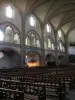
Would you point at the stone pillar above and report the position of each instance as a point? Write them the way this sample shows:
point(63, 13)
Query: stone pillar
point(56, 50)
point(42, 47)
point(22, 41)
point(66, 50)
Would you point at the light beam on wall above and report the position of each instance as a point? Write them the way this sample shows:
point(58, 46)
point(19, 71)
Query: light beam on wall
point(9, 12)
point(1, 36)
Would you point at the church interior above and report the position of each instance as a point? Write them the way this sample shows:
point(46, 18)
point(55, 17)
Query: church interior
point(37, 49)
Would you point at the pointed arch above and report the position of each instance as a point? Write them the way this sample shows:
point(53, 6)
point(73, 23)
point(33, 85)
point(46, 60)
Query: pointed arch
point(34, 38)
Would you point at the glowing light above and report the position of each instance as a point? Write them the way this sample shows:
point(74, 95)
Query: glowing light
point(32, 21)
point(59, 33)
point(9, 12)
point(48, 28)
point(1, 36)
point(34, 64)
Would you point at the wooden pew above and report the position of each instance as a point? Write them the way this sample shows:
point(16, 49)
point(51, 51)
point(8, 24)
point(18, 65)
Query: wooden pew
point(8, 94)
point(43, 78)
point(32, 88)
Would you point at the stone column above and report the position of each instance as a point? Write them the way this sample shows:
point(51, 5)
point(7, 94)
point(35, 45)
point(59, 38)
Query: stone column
point(56, 49)
point(42, 46)
point(22, 41)
point(66, 50)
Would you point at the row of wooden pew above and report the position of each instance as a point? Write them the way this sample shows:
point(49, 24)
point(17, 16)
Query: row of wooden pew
point(40, 84)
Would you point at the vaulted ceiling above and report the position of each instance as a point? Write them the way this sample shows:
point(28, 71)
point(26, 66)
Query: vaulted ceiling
point(60, 13)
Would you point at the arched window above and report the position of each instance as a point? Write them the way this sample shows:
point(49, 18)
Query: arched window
point(1, 55)
point(49, 43)
point(9, 34)
point(27, 41)
point(45, 45)
point(61, 47)
point(33, 40)
point(16, 39)
point(1, 36)
point(32, 21)
point(38, 43)
point(48, 27)
point(9, 12)
point(59, 33)
point(53, 48)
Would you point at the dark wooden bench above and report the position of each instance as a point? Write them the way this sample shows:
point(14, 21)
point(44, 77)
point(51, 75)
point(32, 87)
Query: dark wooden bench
point(34, 88)
point(8, 94)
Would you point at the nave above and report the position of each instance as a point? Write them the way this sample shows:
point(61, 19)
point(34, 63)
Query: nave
point(37, 83)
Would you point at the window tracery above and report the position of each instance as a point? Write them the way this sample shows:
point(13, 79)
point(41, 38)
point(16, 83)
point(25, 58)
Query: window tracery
point(16, 39)
point(9, 34)
point(34, 41)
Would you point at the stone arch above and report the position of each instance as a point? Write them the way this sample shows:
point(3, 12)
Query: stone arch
point(51, 40)
point(14, 30)
point(35, 38)
point(71, 45)
point(27, 41)
point(61, 59)
point(72, 58)
point(6, 23)
point(11, 58)
point(16, 19)
point(32, 59)
point(70, 35)
point(61, 46)
point(50, 60)
point(60, 36)
point(36, 28)
point(52, 34)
